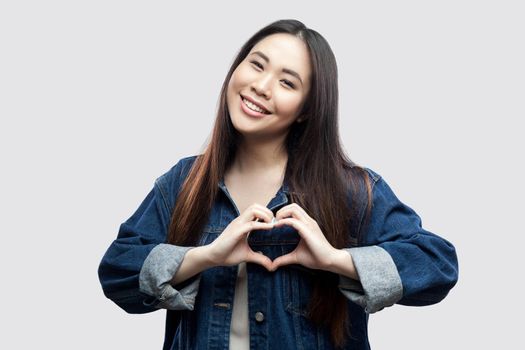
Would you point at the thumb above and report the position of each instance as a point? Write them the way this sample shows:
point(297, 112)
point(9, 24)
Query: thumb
point(260, 259)
point(286, 259)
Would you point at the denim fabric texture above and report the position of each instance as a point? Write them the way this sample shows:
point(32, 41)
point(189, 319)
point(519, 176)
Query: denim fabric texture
point(398, 262)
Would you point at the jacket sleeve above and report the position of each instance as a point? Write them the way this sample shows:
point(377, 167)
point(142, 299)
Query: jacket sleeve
point(137, 267)
point(399, 262)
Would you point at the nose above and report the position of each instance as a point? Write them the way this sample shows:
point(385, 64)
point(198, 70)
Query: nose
point(261, 86)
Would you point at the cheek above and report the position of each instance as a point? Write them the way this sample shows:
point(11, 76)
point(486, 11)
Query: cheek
point(289, 105)
point(240, 77)
point(233, 85)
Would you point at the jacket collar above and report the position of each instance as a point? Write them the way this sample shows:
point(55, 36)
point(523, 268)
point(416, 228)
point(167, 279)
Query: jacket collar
point(280, 198)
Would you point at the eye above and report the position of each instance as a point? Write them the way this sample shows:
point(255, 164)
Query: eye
point(289, 83)
point(260, 66)
point(255, 63)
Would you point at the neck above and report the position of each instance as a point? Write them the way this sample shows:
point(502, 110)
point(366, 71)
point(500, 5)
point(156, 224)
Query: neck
point(256, 155)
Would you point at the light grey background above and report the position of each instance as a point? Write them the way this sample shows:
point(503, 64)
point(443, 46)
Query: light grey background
point(98, 98)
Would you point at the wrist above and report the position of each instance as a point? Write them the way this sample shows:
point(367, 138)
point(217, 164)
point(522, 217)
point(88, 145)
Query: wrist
point(342, 264)
point(204, 256)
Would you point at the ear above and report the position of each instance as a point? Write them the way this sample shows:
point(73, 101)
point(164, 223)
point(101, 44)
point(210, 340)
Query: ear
point(300, 119)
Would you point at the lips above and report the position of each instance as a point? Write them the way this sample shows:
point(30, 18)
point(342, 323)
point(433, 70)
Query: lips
point(258, 104)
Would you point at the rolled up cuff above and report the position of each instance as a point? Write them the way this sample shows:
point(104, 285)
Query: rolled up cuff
point(161, 264)
point(379, 284)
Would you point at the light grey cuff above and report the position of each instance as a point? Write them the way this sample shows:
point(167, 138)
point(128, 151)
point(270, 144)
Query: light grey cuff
point(379, 282)
point(161, 264)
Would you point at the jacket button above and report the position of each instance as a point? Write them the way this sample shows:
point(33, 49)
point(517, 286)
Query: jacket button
point(259, 316)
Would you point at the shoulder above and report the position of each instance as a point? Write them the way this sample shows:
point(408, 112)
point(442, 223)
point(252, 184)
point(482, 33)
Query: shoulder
point(376, 189)
point(364, 172)
point(373, 176)
point(181, 168)
point(379, 186)
point(384, 198)
point(168, 184)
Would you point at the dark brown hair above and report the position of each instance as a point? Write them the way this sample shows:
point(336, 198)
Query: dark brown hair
point(321, 178)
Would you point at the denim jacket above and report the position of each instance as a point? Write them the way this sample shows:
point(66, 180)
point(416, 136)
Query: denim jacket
point(397, 262)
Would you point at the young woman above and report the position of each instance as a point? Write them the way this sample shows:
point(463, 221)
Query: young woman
point(273, 238)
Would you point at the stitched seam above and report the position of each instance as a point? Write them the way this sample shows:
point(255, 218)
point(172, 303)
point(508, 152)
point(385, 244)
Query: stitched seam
point(162, 194)
point(375, 179)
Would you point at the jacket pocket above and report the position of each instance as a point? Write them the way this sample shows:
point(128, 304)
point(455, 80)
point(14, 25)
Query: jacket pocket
point(298, 283)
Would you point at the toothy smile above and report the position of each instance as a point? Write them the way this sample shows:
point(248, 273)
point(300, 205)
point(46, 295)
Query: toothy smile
point(253, 106)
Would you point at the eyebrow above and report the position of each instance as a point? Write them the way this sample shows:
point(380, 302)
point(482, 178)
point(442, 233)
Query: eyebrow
point(285, 70)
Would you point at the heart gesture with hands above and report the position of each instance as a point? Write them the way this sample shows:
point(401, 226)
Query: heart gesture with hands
point(231, 247)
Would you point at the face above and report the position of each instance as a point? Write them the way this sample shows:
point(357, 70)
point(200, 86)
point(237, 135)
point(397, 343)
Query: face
point(269, 87)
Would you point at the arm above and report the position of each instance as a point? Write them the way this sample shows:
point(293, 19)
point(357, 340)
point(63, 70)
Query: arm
point(195, 261)
point(399, 262)
point(343, 264)
point(137, 267)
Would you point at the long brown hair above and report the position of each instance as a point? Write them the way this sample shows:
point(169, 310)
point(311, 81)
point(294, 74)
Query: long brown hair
point(326, 183)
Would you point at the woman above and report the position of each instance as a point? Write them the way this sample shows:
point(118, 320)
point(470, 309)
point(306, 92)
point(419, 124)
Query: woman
point(272, 238)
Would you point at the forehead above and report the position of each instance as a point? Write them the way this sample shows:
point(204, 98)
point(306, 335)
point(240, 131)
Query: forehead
point(286, 51)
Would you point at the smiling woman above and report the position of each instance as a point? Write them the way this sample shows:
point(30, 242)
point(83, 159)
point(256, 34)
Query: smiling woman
point(273, 238)
point(265, 94)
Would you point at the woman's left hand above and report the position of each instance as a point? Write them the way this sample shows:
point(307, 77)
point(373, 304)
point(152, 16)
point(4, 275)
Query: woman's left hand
point(313, 250)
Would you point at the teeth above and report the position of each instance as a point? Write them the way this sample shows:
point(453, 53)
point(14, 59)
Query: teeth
point(253, 107)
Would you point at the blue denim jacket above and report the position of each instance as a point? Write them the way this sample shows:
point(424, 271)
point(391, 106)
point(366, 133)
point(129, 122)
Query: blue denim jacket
point(397, 262)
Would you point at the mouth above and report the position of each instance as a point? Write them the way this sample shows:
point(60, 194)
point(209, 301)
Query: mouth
point(252, 106)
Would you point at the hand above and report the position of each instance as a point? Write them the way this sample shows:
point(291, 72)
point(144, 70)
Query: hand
point(231, 247)
point(313, 250)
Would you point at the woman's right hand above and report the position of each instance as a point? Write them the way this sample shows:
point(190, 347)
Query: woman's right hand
point(231, 246)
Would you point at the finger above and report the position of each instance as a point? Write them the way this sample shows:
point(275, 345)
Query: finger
point(293, 210)
point(287, 259)
point(264, 209)
point(260, 259)
point(253, 213)
point(255, 225)
point(295, 223)
point(301, 228)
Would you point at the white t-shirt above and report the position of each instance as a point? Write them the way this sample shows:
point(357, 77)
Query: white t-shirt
point(240, 328)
